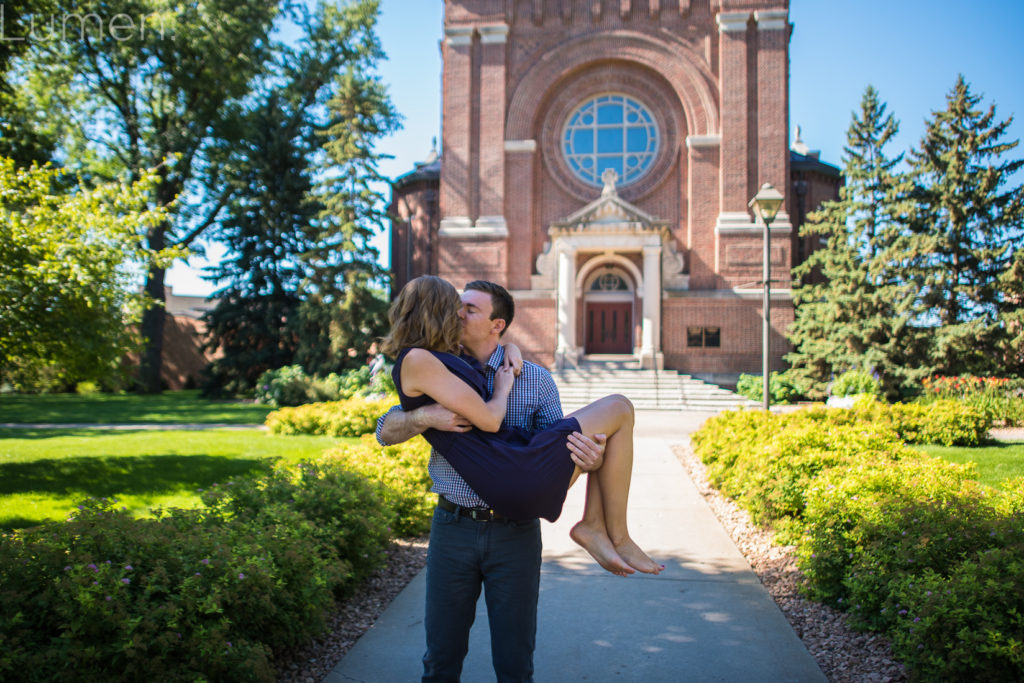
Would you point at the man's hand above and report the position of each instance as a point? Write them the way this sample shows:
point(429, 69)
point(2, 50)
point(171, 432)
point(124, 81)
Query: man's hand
point(436, 416)
point(587, 453)
point(400, 426)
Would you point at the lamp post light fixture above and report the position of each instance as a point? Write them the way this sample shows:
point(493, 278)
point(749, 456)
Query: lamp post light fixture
point(766, 204)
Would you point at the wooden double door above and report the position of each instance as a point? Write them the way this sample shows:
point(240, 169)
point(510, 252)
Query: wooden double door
point(609, 327)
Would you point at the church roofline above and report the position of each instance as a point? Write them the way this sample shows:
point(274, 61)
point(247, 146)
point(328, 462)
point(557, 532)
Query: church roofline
point(807, 162)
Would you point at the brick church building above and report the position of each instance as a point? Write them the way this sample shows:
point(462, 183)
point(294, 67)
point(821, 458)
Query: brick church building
point(598, 158)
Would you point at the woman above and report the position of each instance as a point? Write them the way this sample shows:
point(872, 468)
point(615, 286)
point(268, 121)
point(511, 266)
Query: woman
point(522, 475)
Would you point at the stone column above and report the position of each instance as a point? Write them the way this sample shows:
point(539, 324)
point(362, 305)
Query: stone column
point(650, 331)
point(567, 353)
point(490, 210)
point(735, 109)
point(456, 182)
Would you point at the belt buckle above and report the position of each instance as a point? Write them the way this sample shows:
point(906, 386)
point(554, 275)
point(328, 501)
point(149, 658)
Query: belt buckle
point(481, 515)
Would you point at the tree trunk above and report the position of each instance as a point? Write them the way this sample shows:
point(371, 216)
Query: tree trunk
point(153, 320)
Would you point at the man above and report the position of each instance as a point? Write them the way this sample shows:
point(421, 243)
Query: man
point(471, 547)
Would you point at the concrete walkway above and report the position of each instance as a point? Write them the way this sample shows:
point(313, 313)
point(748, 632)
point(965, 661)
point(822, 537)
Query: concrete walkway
point(705, 618)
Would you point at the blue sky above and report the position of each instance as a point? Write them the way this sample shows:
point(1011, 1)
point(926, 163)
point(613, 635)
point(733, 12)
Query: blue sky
point(910, 50)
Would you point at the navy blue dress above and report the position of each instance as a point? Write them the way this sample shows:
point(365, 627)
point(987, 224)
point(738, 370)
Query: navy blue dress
point(521, 474)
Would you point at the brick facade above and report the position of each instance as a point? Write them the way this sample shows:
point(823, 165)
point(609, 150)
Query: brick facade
point(680, 238)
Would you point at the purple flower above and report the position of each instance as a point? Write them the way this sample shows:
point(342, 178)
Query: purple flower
point(109, 598)
point(917, 619)
point(126, 581)
point(198, 574)
point(205, 561)
point(241, 576)
point(128, 567)
point(67, 568)
point(93, 567)
point(902, 612)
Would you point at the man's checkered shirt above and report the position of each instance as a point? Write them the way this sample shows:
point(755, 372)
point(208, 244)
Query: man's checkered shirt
point(533, 404)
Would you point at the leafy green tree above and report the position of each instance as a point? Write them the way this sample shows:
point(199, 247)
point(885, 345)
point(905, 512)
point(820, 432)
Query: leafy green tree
point(165, 92)
point(968, 217)
point(68, 298)
point(854, 309)
point(24, 135)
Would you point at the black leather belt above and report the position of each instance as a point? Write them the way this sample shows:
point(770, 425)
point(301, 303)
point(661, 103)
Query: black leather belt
point(475, 514)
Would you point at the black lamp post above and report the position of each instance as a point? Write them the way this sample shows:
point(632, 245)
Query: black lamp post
point(766, 204)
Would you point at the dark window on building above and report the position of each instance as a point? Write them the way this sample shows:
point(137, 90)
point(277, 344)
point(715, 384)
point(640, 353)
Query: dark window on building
point(704, 336)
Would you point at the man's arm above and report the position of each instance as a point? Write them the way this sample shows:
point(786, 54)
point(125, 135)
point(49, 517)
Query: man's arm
point(397, 425)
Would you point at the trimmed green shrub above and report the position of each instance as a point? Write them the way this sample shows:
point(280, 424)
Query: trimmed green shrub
point(208, 594)
point(854, 382)
point(351, 417)
point(291, 386)
point(401, 473)
point(909, 545)
point(782, 387)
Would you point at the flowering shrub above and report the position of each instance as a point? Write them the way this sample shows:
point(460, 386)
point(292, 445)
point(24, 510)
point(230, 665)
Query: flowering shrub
point(968, 624)
point(208, 594)
point(999, 398)
point(352, 417)
point(908, 544)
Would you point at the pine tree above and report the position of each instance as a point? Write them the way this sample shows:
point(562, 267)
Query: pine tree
point(253, 324)
point(345, 282)
point(853, 310)
point(966, 222)
point(297, 282)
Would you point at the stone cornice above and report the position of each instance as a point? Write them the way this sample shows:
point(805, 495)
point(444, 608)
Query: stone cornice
point(732, 22)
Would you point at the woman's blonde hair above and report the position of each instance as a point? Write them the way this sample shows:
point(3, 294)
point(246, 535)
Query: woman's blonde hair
point(425, 314)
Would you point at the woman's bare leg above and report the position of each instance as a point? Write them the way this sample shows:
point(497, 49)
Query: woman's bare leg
point(591, 534)
point(608, 487)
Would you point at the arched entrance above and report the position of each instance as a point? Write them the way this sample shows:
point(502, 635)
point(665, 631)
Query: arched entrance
point(608, 300)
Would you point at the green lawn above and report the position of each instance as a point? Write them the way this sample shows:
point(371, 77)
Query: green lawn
point(166, 408)
point(996, 463)
point(44, 473)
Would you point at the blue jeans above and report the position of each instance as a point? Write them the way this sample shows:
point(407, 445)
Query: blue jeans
point(504, 558)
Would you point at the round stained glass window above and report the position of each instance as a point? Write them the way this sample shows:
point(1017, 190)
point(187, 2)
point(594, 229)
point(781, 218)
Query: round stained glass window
point(610, 131)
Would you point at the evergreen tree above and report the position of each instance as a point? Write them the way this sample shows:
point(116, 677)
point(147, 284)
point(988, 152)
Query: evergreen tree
point(1010, 352)
point(298, 279)
point(344, 296)
point(966, 223)
point(853, 310)
point(253, 324)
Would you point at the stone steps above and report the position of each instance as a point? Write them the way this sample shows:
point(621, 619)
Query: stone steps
point(647, 389)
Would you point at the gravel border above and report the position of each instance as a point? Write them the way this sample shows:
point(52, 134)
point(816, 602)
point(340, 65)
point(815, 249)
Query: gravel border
point(844, 655)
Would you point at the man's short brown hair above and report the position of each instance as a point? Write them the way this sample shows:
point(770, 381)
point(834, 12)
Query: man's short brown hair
point(502, 305)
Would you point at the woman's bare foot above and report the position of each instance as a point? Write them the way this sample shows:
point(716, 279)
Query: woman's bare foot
point(637, 558)
point(597, 543)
